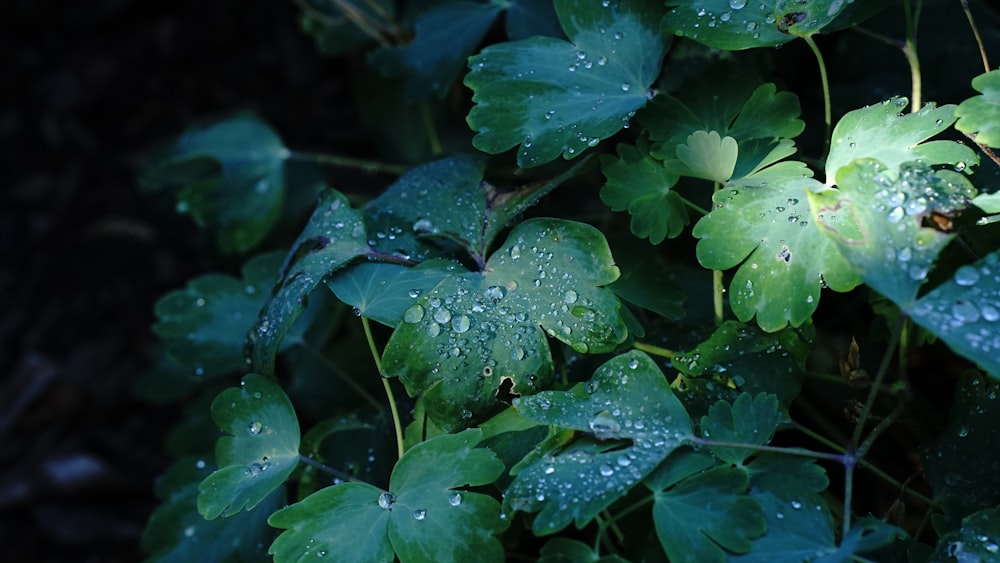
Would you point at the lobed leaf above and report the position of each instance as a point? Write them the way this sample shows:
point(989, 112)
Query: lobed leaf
point(260, 451)
point(634, 421)
point(383, 292)
point(240, 193)
point(204, 326)
point(749, 420)
point(977, 540)
point(334, 236)
point(642, 186)
point(422, 517)
point(980, 115)
point(476, 330)
point(554, 97)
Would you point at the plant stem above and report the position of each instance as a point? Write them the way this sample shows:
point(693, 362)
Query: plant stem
point(718, 287)
point(432, 136)
point(326, 468)
point(654, 350)
point(385, 383)
point(827, 118)
point(912, 17)
point(348, 162)
point(336, 371)
point(975, 32)
point(801, 452)
point(609, 522)
point(694, 206)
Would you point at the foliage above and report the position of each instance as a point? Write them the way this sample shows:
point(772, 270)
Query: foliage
point(548, 362)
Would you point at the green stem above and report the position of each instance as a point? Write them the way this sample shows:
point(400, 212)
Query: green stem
point(654, 350)
point(827, 119)
point(912, 17)
point(385, 383)
point(340, 374)
point(718, 287)
point(327, 469)
point(432, 136)
point(348, 162)
point(609, 522)
point(975, 32)
point(801, 452)
point(693, 206)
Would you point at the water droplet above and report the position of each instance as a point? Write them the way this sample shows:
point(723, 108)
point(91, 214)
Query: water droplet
point(433, 330)
point(604, 426)
point(414, 293)
point(896, 215)
point(200, 464)
point(796, 504)
point(386, 500)
point(607, 470)
point(253, 470)
point(633, 363)
point(189, 531)
point(960, 166)
point(624, 461)
point(414, 314)
point(602, 61)
point(419, 514)
point(725, 16)
point(460, 323)
point(570, 296)
point(455, 499)
point(442, 315)
point(904, 254)
point(254, 428)
point(963, 432)
point(990, 313)
point(626, 86)
point(966, 275)
point(549, 470)
point(965, 312)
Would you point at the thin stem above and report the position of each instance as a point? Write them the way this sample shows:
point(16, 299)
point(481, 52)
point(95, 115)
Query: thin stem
point(361, 20)
point(609, 522)
point(385, 383)
point(827, 119)
point(718, 287)
point(912, 17)
point(327, 469)
point(986, 150)
point(654, 350)
point(801, 452)
point(693, 206)
point(879, 429)
point(849, 462)
point(975, 32)
point(340, 374)
point(432, 136)
point(348, 162)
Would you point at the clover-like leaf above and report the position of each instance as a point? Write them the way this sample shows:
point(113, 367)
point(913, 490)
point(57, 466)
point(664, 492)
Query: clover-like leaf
point(977, 540)
point(965, 312)
point(424, 516)
point(706, 155)
point(880, 132)
point(962, 480)
point(706, 515)
point(875, 217)
point(742, 359)
point(749, 420)
point(460, 341)
point(741, 24)
point(641, 185)
point(334, 236)
point(635, 422)
point(240, 192)
point(177, 533)
point(260, 451)
point(383, 292)
point(555, 97)
point(980, 115)
point(205, 325)
point(763, 224)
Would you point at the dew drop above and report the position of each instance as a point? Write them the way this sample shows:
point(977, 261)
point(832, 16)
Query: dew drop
point(414, 293)
point(633, 363)
point(626, 86)
point(414, 314)
point(455, 499)
point(607, 470)
point(896, 215)
point(460, 323)
point(442, 315)
point(604, 426)
point(966, 276)
point(254, 428)
point(737, 4)
point(433, 330)
point(965, 312)
point(419, 514)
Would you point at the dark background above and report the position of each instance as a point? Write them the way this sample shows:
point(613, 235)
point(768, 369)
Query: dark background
point(87, 91)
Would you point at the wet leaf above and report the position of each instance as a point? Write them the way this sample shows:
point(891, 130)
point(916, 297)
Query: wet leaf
point(631, 421)
point(965, 312)
point(641, 185)
point(980, 115)
point(881, 133)
point(334, 236)
point(555, 97)
point(977, 540)
point(875, 219)
point(749, 420)
point(706, 515)
point(424, 516)
point(205, 325)
point(740, 24)
point(231, 178)
point(260, 451)
point(382, 292)
point(460, 341)
point(706, 155)
point(177, 533)
point(959, 462)
point(763, 223)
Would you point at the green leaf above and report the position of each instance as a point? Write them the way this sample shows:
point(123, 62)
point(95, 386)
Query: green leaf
point(460, 341)
point(422, 517)
point(565, 550)
point(977, 540)
point(445, 35)
point(763, 224)
point(980, 115)
point(706, 155)
point(959, 462)
point(964, 312)
point(749, 420)
point(875, 220)
point(647, 281)
point(989, 203)
point(363, 448)
point(641, 185)
point(733, 25)
point(703, 515)
point(241, 196)
point(176, 533)
point(334, 236)
point(739, 359)
point(382, 292)
point(205, 325)
point(260, 452)
point(554, 97)
point(880, 132)
point(628, 399)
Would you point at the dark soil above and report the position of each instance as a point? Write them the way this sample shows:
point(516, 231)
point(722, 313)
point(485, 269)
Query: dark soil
point(87, 91)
